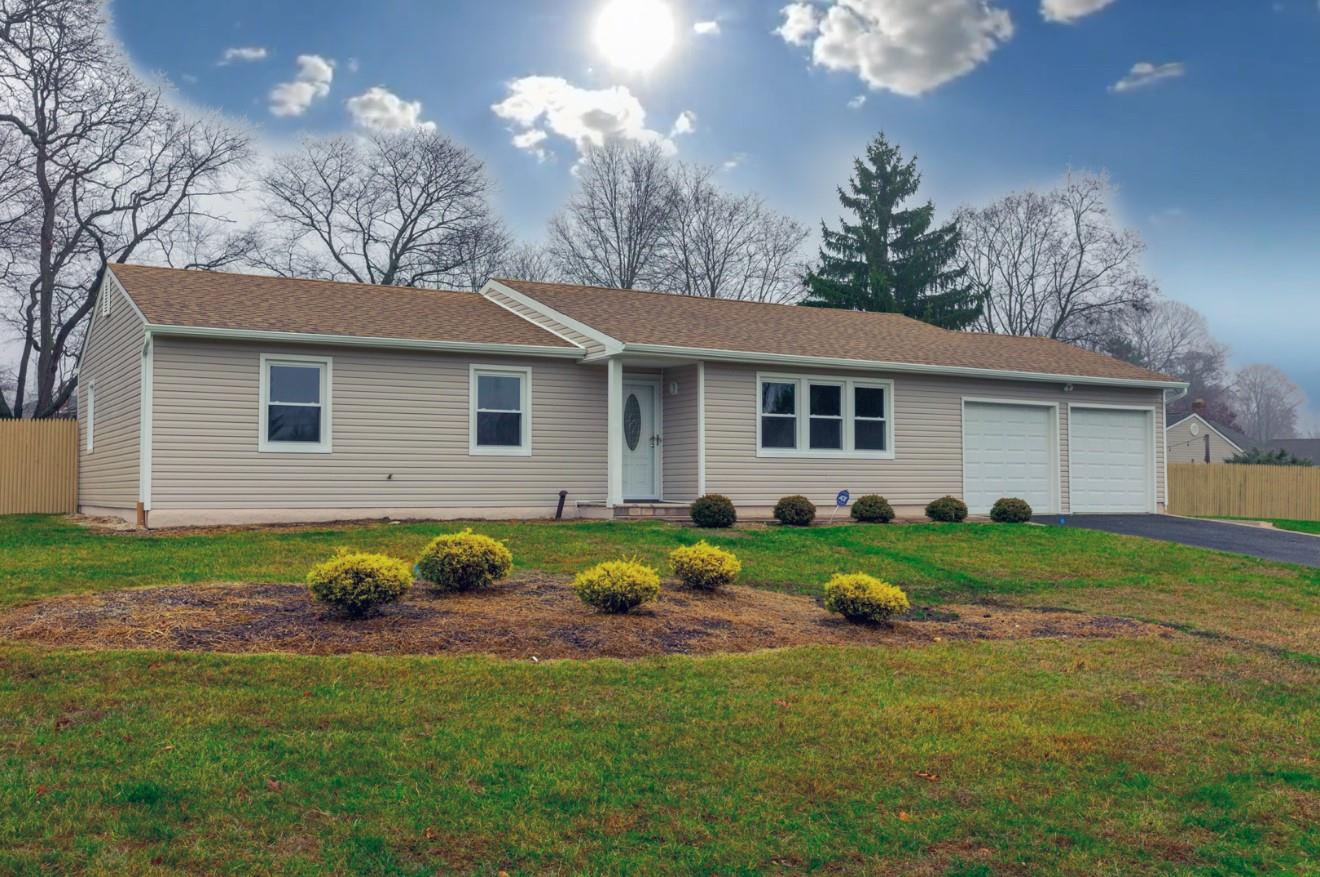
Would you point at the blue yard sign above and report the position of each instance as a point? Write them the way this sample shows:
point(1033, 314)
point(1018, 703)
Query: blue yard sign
point(842, 499)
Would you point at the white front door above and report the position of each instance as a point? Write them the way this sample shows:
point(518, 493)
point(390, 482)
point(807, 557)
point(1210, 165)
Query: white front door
point(640, 442)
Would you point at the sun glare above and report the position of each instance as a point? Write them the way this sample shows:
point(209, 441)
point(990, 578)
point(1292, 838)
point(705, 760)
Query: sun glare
point(635, 34)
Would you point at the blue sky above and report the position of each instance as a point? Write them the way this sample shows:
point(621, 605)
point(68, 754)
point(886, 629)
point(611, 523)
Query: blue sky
point(1215, 158)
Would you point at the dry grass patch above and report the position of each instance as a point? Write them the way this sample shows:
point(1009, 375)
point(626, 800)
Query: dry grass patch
point(535, 615)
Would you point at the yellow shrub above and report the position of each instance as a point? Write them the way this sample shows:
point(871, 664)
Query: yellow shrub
point(859, 597)
point(704, 566)
point(357, 582)
point(617, 585)
point(464, 561)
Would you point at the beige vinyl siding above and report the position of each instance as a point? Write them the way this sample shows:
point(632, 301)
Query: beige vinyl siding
point(399, 433)
point(112, 360)
point(927, 437)
point(1187, 448)
point(679, 445)
point(588, 344)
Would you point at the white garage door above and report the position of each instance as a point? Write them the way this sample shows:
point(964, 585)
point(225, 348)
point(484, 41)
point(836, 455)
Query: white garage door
point(1111, 466)
point(1009, 450)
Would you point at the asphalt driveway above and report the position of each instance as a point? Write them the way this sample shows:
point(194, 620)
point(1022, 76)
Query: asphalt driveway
point(1262, 542)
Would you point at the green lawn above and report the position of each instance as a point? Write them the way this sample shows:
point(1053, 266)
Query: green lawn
point(1191, 755)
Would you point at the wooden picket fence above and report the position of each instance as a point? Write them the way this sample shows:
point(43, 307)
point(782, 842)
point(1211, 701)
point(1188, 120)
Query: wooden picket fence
point(38, 466)
point(1232, 491)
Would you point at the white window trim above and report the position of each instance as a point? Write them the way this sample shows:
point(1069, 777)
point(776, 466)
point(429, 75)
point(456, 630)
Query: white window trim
point(326, 444)
point(524, 373)
point(91, 414)
point(803, 416)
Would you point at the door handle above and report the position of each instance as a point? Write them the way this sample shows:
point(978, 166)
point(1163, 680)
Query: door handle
point(655, 440)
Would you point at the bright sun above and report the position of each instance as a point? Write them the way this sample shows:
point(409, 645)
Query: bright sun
point(635, 34)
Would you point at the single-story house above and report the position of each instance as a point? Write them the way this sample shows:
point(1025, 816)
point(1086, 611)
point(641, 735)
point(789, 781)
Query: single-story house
point(1194, 439)
point(222, 398)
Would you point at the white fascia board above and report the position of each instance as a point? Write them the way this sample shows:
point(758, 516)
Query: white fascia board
point(612, 345)
point(127, 296)
point(363, 341)
point(905, 367)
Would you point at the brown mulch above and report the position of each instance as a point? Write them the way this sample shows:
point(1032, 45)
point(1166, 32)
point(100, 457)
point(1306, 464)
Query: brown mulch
point(532, 616)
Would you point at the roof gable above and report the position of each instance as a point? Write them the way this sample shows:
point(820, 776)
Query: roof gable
point(1232, 436)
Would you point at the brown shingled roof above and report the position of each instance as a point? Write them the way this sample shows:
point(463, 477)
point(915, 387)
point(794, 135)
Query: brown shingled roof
point(635, 317)
point(209, 299)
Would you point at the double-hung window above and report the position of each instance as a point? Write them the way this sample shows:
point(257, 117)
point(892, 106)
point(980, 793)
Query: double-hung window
point(295, 404)
point(823, 416)
point(501, 411)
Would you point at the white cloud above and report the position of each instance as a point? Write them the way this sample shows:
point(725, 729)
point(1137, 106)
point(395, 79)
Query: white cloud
point(857, 103)
point(734, 161)
point(382, 110)
point(706, 28)
point(1068, 11)
point(353, 65)
point(312, 82)
point(905, 46)
point(542, 105)
point(686, 123)
point(243, 53)
point(801, 21)
point(1144, 73)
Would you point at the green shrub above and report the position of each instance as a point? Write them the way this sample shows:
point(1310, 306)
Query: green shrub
point(872, 509)
point(947, 508)
point(1010, 510)
point(859, 597)
point(713, 510)
point(704, 566)
point(617, 585)
point(358, 582)
point(464, 561)
point(795, 511)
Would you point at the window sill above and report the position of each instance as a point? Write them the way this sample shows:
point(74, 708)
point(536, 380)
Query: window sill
point(293, 448)
point(476, 451)
point(795, 453)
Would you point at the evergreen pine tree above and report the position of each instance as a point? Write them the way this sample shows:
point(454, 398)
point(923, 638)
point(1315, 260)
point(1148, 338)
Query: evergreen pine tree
point(890, 259)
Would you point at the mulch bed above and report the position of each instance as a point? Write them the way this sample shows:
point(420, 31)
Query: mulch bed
point(532, 616)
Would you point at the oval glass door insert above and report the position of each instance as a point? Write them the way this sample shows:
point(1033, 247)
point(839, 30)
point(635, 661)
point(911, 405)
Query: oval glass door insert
point(632, 421)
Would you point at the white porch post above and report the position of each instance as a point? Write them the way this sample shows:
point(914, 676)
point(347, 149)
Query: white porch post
point(614, 435)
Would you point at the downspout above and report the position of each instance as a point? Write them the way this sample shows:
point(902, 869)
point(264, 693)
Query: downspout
point(144, 431)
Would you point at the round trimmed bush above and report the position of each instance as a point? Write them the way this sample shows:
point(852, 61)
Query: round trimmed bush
point(357, 582)
point(617, 585)
point(795, 511)
point(859, 597)
point(1010, 510)
point(464, 561)
point(872, 509)
point(947, 508)
point(713, 510)
point(704, 566)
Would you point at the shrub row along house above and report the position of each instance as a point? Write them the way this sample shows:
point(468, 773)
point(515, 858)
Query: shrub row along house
point(213, 398)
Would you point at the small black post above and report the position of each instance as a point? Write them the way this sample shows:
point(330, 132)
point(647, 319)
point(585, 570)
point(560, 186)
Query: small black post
point(559, 512)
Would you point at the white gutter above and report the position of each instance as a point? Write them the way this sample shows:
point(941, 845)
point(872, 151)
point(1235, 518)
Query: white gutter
point(362, 341)
point(907, 367)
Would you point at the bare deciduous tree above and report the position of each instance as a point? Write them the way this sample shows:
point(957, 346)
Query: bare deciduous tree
point(106, 169)
point(528, 262)
point(1053, 263)
point(406, 209)
point(613, 229)
point(721, 245)
point(1267, 402)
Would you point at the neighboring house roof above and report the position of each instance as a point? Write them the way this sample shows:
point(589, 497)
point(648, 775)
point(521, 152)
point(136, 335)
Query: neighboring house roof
point(1227, 433)
point(1307, 449)
point(212, 300)
point(641, 319)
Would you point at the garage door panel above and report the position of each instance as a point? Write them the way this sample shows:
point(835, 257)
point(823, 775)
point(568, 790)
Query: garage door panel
point(1009, 450)
point(1111, 461)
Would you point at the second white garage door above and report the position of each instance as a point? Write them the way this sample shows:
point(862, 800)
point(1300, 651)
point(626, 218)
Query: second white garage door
point(1111, 461)
point(1009, 450)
